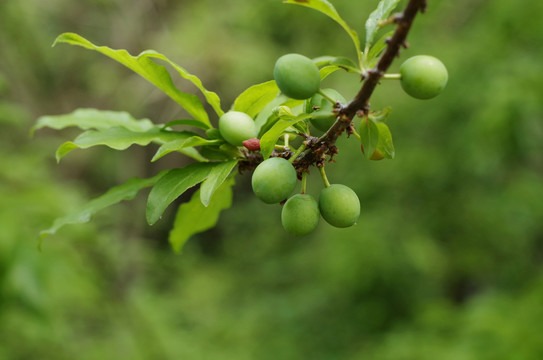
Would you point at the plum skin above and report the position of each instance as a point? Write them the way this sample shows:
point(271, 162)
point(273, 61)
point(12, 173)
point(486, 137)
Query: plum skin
point(339, 205)
point(236, 127)
point(297, 76)
point(423, 76)
point(274, 180)
point(323, 118)
point(300, 215)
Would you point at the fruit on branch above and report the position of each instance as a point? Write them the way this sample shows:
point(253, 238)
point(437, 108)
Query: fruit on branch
point(300, 214)
point(423, 76)
point(274, 180)
point(235, 127)
point(297, 76)
point(321, 109)
point(339, 205)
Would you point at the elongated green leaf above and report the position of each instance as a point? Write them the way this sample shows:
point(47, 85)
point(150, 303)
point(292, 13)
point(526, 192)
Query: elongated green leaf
point(126, 191)
point(385, 144)
point(255, 98)
point(327, 70)
point(119, 138)
point(382, 12)
point(154, 73)
point(193, 217)
point(216, 177)
point(369, 133)
point(182, 143)
point(172, 185)
point(93, 119)
point(185, 122)
point(269, 139)
point(376, 50)
point(328, 9)
point(341, 62)
point(265, 114)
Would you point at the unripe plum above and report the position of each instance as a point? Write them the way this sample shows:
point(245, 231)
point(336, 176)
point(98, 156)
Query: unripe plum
point(300, 214)
point(297, 76)
point(423, 76)
point(339, 205)
point(324, 117)
point(274, 180)
point(235, 127)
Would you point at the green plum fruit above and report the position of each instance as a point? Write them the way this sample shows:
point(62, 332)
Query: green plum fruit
point(423, 76)
point(235, 127)
point(274, 180)
point(300, 215)
point(321, 109)
point(297, 76)
point(339, 205)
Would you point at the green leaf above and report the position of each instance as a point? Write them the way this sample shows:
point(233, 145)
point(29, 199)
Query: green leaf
point(93, 119)
point(179, 144)
point(193, 217)
point(216, 177)
point(369, 133)
point(328, 9)
point(340, 62)
point(382, 12)
point(126, 191)
point(327, 70)
point(269, 139)
point(385, 145)
point(154, 73)
point(253, 100)
point(380, 115)
point(119, 138)
point(186, 122)
point(172, 185)
point(376, 50)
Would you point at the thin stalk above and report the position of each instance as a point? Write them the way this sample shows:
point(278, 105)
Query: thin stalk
point(298, 152)
point(321, 93)
point(392, 76)
point(304, 182)
point(324, 178)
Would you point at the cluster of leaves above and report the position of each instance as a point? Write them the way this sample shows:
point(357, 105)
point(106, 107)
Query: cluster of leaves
point(214, 158)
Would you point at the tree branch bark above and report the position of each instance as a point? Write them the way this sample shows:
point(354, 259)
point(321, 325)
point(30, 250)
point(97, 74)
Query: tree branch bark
point(318, 149)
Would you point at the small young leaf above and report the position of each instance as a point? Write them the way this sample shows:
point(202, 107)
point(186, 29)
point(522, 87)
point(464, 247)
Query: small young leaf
point(385, 145)
point(328, 9)
point(154, 73)
point(255, 98)
point(269, 139)
point(86, 119)
point(216, 177)
point(340, 62)
point(119, 138)
point(380, 115)
point(172, 185)
point(382, 12)
point(369, 133)
point(376, 50)
point(179, 144)
point(126, 191)
point(193, 217)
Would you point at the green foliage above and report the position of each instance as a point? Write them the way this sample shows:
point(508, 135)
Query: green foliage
point(323, 117)
point(382, 12)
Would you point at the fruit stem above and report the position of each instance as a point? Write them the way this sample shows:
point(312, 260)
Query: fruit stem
point(356, 134)
point(392, 76)
point(321, 93)
point(323, 175)
point(304, 182)
point(298, 152)
point(286, 140)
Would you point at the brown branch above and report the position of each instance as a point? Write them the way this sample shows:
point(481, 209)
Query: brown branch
point(316, 153)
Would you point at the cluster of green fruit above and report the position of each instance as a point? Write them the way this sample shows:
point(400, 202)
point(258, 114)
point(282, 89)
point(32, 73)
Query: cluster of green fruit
point(274, 179)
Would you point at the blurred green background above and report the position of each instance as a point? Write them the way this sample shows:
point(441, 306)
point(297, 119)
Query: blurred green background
point(445, 262)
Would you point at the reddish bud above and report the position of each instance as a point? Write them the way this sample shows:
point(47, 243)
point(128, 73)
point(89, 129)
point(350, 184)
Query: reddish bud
point(252, 144)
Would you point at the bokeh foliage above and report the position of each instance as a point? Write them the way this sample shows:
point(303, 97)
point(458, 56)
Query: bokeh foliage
point(445, 263)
